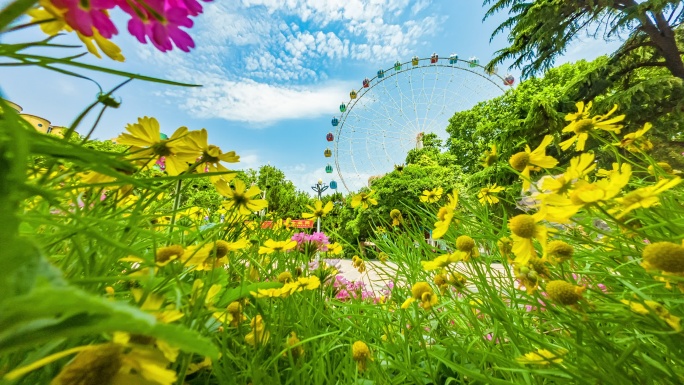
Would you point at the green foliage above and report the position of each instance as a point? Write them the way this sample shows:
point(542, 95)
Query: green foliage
point(541, 31)
point(523, 115)
point(284, 200)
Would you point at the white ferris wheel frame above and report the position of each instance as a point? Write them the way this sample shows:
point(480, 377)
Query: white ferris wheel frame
point(392, 72)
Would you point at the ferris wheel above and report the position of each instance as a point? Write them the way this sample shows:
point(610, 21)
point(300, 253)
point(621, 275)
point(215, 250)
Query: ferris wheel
point(390, 113)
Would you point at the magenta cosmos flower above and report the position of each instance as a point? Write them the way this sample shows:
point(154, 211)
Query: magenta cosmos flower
point(160, 21)
point(84, 15)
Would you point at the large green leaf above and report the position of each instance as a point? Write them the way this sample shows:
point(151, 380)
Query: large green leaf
point(50, 313)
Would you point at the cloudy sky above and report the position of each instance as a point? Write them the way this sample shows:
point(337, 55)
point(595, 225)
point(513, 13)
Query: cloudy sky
point(273, 72)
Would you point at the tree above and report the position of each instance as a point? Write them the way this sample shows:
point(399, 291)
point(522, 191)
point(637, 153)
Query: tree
point(542, 30)
point(284, 200)
point(523, 115)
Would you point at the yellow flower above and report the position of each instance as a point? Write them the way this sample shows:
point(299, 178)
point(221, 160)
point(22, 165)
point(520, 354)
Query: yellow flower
point(271, 246)
point(318, 211)
point(505, 246)
point(581, 125)
point(421, 291)
point(211, 256)
point(604, 189)
point(490, 157)
point(334, 249)
point(148, 146)
point(658, 309)
point(361, 354)
point(445, 215)
point(359, 264)
point(564, 292)
point(529, 160)
point(106, 46)
point(241, 199)
point(560, 250)
point(396, 217)
point(232, 315)
point(644, 197)
point(208, 296)
point(364, 200)
point(487, 195)
point(466, 245)
point(529, 275)
point(635, 141)
point(51, 18)
point(443, 261)
point(302, 283)
point(284, 277)
point(294, 346)
point(153, 303)
point(259, 335)
point(524, 229)
point(431, 196)
point(665, 256)
point(167, 254)
point(122, 362)
point(664, 167)
point(542, 357)
point(211, 156)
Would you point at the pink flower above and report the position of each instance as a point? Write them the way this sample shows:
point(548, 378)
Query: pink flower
point(342, 295)
point(84, 15)
point(160, 21)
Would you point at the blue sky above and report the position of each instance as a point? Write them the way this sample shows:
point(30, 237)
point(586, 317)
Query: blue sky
point(273, 71)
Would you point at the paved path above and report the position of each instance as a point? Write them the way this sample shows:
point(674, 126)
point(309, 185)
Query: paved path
point(378, 275)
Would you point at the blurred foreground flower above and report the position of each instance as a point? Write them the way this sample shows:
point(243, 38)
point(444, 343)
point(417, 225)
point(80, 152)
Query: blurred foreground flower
point(542, 357)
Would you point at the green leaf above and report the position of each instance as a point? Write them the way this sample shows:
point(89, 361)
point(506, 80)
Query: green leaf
point(13, 11)
point(51, 313)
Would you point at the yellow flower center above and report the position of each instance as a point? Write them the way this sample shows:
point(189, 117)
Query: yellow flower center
point(505, 245)
point(360, 351)
point(665, 256)
point(564, 292)
point(519, 161)
point(523, 225)
point(465, 243)
point(240, 199)
point(419, 289)
point(161, 149)
point(92, 367)
point(221, 248)
point(285, 277)
point(443, 212)
point(164, 254)
point(560, 250)
point(490, 159)
point(584, 125)
point(440, 279)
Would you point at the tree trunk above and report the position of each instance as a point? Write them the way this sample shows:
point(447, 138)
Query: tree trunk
point(664, 39)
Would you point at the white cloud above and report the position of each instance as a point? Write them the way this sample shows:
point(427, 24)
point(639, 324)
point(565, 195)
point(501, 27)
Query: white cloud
point(257, 65)
point(260, 103)
point(419, 6)
point(248, 161)
point(303, 176)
